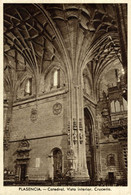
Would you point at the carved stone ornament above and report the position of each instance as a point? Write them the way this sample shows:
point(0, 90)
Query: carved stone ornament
point(24, 143)
point(74, 124)
point(74, 137)
point(68, 138)
point(81, 137)
point(57, 108)
point(96, 139)
point(105, 127)
point(80, 124)
point(23, 150)
point(105, 112)
point(33, 115)
point(7, 134)
point(70, 154)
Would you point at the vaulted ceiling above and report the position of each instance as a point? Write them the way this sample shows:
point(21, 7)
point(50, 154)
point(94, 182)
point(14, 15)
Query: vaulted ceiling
point(72, 35)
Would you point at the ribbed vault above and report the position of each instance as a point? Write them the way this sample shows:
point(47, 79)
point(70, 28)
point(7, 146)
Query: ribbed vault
point(74, 35)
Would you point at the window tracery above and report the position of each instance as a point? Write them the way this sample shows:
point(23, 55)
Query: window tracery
point(117, 106)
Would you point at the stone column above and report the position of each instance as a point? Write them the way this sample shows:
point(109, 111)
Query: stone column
point(76, 138)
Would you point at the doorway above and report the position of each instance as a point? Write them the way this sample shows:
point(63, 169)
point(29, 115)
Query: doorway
point(89, 144)
point(111, 177)
point(57, 163)
point(23, 168)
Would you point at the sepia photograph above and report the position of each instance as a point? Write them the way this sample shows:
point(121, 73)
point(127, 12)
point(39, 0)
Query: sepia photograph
point(65, 94)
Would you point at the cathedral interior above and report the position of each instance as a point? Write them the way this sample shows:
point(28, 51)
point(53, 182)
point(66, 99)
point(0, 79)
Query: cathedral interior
point(65, 94)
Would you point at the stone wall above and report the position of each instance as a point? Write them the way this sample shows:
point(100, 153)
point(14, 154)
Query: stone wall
point(46, 123)
point(45, 132)
point(105, 150)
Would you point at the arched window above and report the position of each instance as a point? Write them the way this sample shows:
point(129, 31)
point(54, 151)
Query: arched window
point(122, 108)
point(117, 106)
point(28, 87)
point(111, 160)
point(125, 104)
point(56, 78)
point(113, 106)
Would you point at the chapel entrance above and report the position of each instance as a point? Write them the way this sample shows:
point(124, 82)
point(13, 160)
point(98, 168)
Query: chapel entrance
point(111, 177)
point(89, 144)
point(23, 168)
point(57, 163)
